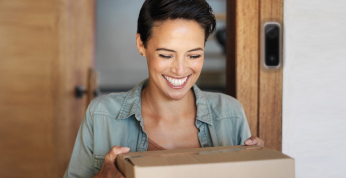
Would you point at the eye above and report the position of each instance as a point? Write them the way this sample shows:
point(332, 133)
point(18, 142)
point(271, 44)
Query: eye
point(195, 57)
point(163, 56)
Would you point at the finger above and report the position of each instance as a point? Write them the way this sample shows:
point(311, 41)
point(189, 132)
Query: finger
point(257, 141)
point(115, 174)
point(261, 142)
point(119, 150)
point(113, 153)
point(119, 175)
point(253, 140)
point(248, 142)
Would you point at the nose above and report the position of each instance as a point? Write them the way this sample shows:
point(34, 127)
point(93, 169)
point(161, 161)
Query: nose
point(179, 66)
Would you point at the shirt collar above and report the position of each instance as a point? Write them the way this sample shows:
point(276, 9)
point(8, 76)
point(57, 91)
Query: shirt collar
point(132, 104)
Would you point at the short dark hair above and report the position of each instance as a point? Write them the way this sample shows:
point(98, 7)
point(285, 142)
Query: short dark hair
point(160, 10)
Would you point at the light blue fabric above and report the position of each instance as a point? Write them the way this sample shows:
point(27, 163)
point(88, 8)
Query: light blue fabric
point(116, 119)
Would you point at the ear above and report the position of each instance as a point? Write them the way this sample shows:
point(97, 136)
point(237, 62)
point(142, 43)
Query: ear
point(140, 45)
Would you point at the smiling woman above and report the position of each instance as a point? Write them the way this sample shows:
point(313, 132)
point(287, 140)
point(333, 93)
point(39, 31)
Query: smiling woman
point(167, 110)
point(175, 58)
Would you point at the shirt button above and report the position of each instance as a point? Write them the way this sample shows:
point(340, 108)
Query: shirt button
point(206, 145)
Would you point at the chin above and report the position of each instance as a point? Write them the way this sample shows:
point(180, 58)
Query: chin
point(177, 96)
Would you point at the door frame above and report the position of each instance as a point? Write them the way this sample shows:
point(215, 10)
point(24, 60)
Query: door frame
point(257, 88)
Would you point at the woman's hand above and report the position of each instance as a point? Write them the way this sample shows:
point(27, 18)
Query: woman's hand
point(253, 140)
point(108, 169)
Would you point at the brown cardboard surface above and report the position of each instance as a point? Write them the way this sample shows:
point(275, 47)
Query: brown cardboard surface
point(237, 161)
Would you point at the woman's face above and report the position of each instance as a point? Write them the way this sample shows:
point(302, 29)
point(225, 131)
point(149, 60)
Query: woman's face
point(175, 55)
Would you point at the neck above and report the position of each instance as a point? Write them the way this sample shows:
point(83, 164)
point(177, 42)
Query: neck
point(157, 104)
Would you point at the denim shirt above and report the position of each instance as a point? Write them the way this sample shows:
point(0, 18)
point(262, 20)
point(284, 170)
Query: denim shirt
point(116, 119)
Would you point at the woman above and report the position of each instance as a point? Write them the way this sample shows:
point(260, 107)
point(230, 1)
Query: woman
point(166, 111)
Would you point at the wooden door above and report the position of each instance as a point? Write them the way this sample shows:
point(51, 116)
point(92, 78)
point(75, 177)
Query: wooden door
point(46, 50)
point(258, 89)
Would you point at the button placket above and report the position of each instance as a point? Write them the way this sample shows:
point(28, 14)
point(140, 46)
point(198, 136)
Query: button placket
point(142, 137)
point(201, 134)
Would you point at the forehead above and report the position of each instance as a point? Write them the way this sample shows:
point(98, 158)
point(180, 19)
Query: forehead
point(178, 33)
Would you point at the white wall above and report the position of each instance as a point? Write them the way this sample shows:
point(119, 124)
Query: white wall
point(314, 87)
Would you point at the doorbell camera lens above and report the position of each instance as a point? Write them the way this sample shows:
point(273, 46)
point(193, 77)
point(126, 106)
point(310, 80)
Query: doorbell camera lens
point(273, 32)
point(272, 37)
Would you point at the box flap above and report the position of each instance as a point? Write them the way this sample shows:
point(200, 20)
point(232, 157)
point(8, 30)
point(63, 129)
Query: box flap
point(201, 155)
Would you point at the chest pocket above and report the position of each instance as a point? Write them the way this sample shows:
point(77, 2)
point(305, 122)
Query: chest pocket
point(98, 163)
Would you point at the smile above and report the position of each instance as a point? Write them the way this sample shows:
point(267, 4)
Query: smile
point(176, 82)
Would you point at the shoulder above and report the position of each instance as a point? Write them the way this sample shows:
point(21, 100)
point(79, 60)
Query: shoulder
point(223, 106)
point(118, 105)
point(109, 104)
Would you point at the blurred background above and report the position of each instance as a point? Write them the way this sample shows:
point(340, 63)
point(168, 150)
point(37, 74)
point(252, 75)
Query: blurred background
point(58, 55)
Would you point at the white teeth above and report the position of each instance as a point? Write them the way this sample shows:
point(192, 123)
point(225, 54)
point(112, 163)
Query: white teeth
point(176, 82)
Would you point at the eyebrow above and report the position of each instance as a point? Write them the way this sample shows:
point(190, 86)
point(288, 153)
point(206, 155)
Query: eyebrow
point(170, 50)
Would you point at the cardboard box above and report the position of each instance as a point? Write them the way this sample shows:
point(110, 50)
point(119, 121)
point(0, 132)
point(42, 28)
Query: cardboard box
point(218, 162)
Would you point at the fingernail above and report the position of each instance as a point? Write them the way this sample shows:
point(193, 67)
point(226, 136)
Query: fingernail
point(248, 141)
point(125, 148)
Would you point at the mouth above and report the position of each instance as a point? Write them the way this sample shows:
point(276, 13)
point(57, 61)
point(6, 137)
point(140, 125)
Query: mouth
point(176, 83)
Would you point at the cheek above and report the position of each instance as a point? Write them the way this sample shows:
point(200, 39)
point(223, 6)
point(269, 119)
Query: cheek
point(158, 65)
point(197, 65)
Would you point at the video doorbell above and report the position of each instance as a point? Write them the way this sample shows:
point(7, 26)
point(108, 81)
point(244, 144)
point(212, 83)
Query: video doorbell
point(272, 45)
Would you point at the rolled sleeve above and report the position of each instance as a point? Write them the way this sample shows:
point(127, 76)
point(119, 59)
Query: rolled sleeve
point(244, 130)
point(82, 160)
